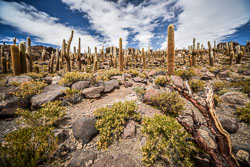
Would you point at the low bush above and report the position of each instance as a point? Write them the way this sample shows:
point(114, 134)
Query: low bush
point(140, 90)
point(219, 85)
point(35, 75)
point(168, 102)
point(72, 77)
point(166, 143)
point(244, 113)
point(111, 121)
point(186, 74)
point(29, 89)
point(196, 85)
point(161, 80)
point(133, 72)
point(244, 85)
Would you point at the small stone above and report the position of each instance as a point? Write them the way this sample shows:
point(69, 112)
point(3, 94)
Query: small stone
point(83, 158)
point(130, 130)
point(93, 92)
point(243, 156)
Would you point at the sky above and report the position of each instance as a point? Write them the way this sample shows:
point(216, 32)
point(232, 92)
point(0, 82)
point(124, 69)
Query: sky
point(140, 23)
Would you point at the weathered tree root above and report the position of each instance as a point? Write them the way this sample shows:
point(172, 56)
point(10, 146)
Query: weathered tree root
point(223, 150)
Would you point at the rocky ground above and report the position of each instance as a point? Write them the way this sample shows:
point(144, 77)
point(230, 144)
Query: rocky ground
point(76, 130)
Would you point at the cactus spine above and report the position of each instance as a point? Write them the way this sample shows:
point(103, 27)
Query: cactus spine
point(171, 51)
point(120, 55)
point(28, 55)
point(22, 57)
point(79, 54)
point(15, 57)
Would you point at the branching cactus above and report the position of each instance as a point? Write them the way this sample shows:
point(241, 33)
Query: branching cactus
point(120, 55)
point(57, 59)
point(22, 57)
point(79, 55)
point(171, 51)
point(66, 55)
point(28, 55)
point(15, 57)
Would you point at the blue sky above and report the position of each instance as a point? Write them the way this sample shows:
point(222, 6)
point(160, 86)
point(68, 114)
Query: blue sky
point(141, 23)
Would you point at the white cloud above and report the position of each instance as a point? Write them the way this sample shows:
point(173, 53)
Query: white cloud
point(113, 20)
point(45, 28)
point(209, 20)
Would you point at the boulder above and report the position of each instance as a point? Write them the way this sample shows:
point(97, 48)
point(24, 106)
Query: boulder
point(115, 160)
point(130, 130)
point(80, 85)
point(234, 98)
point(50, 93)
point(82, 158)
point(177, 80)
point(19, 79)
point(229, 125)
point(110, 85)
point(208, 76)
point(93, 92)
point(84, 129)
point(56, 79)
point(149, 94)
point(127, 84)
point(140, 80)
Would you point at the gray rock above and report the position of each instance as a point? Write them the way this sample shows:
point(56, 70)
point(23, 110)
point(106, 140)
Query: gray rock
point(9, 106)
point(229, 125)
point(115, 160)
point(84, 129)
point(177, 80)
point(110, 85)
point(81, 85)
point(82, 159)
point(140, 80)
point(151, 92)
point(208, 76)
point(234, 98)
point(130, 130)
point(20, 79)
point(56, 79)
point(93, 92)
point(50, 93)
point(209, 140)
point(127, 84)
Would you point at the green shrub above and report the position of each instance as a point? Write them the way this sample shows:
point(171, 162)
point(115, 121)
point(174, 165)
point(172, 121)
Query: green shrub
point(166, 142)
point(27, 147)
point(219, 85)
point(111, 121)
point(168, 102)
point(35, 75)
point(140, 90)
point(161, 80)
point(133, 72)
point(45, 116)
point(186, 74)
point(143, 75)
point(72, 77)
point(112, 72)
point(217, 100)
point(28, 89)
point(244, 113)
point(243, 85)
point(70, 92)
point(196, 85)
point(223, 91)
point(16, 84)
point(101, 78)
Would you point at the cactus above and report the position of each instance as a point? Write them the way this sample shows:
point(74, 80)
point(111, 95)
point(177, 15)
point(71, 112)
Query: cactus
point(52, 62)
point(238, 58)
point(22, 57)
point(43, 55)
point(194, 53)
point(231, 58)
point(210, 53)
point(66, 55)
point(79, 55)
point(15, 57)
point(143, 59)
point(57, 59)
point(120, 55)
point(115, 58)
point(28, 55)
point(171, 51)
point(4, 65)
point(14, 40)
point(36, 69)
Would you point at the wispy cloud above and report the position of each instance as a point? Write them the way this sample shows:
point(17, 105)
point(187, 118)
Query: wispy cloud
point(209, 20)
point(45, 28)
point(114, 20)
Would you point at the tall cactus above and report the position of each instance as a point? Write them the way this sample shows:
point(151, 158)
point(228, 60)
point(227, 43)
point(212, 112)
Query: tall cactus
point(171, 51)
point(43, 55)
point(79, 55)
point(143, 59)
point(15, 57)
point(231, 58)
point(193, 53)
point(120, 55)
point(210, 53)
point(4, 64)
point(28, 55)
point(66, 56)
point(57, 59)
point(115, 58)
point(22, 57)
